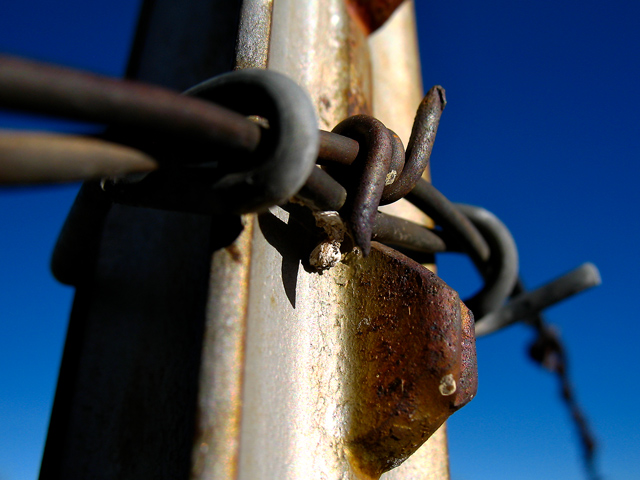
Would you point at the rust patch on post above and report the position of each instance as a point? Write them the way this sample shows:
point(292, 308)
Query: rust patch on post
point(412, 359)
point(372, 14)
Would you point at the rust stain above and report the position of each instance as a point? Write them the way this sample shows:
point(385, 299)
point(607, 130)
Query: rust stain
point(412, 357)
point(372, 14)
point(234, 252)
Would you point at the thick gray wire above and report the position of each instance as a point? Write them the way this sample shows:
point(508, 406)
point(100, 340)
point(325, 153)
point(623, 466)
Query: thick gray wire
point(500, 272)
point(527, 304)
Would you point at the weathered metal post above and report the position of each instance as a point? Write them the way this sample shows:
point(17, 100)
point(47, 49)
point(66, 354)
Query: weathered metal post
point(202, 346)
point(291, 394)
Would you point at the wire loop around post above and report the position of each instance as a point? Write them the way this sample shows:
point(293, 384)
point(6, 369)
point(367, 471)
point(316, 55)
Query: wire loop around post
point(288, 150)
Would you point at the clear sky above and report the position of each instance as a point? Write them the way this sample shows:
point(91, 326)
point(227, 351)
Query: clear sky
point(542, 128)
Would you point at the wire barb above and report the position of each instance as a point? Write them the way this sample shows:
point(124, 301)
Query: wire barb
point(525, 305)
point(549, 352)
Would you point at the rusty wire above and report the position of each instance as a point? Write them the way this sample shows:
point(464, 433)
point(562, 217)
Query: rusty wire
point(154, 119)
point(66, 93)
point(63, 92)
point(364, 171)
point(525, 304)
point(364, 165)
point(28, 158)
point(357, 179)
point(365, 189)
point(500, 272)
point(418, 154)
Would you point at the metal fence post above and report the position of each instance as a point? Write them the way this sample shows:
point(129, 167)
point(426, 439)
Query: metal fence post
point(195, 353)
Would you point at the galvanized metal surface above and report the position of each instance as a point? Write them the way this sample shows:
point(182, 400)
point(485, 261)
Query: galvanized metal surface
point(351, 366)
point(216, 446)
point(335, 377)
point(294, 417)
point(398, 77)
point(317, 44)
point(291, 361)
point(180, 44)
point(254, 32)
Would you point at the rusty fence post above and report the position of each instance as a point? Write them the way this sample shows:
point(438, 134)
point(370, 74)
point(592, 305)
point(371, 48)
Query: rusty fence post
point(202, 346)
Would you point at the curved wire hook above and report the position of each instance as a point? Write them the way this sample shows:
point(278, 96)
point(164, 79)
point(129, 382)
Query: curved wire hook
point(289, 162)
point(282, 164)
point(418, 154)
point(500, 272)
point(428, 199)
point(292, 121)
point(374, 160)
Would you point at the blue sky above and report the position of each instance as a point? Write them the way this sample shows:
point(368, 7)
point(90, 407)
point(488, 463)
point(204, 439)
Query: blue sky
point(541, 128)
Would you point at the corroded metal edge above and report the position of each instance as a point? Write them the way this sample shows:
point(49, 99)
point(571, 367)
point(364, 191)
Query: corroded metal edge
point(216, 447)
point(411, 357)
point(219, 409)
